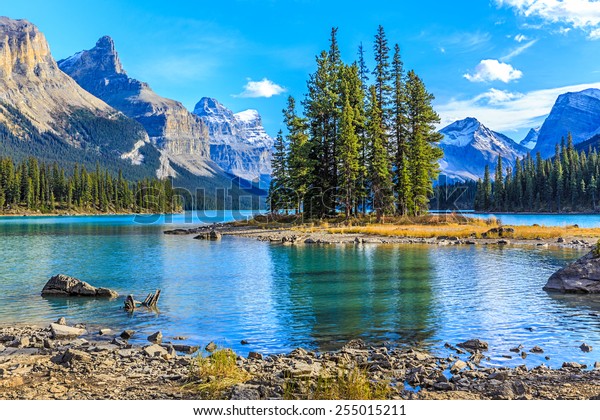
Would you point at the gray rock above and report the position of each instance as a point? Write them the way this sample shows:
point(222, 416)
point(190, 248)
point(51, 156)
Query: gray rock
point(211, 347)
point(63, 331)
point(213, 235)
point(586, 348)
point(582, 276)
point(573, 365)
point(2, 348)
point(62, 285)
point(244, 342)
point(127, 334)
point(245, 392)
point(62, 321)
point(458, 366)
point(75, 355)
point(104, 331)
point(597, 365)
point(20, 342)
point(536, 349)
point(155, 351)
point(156, 337)
point(254, 355)
point(184, 348)
point(475, 344)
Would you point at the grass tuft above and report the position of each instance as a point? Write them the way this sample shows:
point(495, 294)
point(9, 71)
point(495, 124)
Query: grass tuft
point(214, 374)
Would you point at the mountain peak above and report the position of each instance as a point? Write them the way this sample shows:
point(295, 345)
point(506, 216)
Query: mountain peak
point(210, 107)
point(103, 59)
point(23, 50)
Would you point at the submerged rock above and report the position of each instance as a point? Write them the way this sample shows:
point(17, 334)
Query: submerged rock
point(213, 235)
point(62, 285)
point(582, 276)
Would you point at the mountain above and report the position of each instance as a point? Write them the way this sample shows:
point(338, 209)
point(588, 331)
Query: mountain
point(179, 135)
point(238, 142)
point(531, 139)
point(468, 146)
point(44, 113)
point(577, 113)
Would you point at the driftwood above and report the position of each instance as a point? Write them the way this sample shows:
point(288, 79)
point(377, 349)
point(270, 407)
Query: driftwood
point(150, 302)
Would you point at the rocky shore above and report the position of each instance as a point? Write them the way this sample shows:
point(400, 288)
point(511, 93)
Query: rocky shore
point(290, 236)
point(36, 363)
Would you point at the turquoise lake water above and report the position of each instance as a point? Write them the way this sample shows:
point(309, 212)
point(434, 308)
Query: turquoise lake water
point(279, 297)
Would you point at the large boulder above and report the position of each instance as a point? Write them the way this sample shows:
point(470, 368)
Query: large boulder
point(62, 285)
point(582, 276)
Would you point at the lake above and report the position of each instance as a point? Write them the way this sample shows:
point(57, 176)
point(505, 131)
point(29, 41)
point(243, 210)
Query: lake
point(280, 297)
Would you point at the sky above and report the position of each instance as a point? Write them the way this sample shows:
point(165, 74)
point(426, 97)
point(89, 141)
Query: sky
point(503, 62)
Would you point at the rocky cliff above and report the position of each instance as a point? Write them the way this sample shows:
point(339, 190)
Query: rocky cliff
point(239, 143)
point(178, 134)
point(38, 99)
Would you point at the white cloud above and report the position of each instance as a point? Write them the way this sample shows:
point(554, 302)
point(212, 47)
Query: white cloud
point(520, 38)
point(264, 88)
point(519, 50)
point(507, 111)
point(490, 70)
point(581, 14)
point(595, 34)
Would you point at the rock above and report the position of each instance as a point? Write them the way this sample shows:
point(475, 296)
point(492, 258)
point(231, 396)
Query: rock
point(517, 349)
point(2, 348)
point(213, 235)
point(62, 331)
point(62, 321)
point(104, 331)
point(245, 392)
point(500, 232)
point(127, 334)
point(62, 285)
point(476, 357)
point(155, 351)
point(20, 342)
point(244, 343)
point(536, 349)
point(310, 241)
point(582, 276)
point(503, 242)
point(475, 344)
point(523, 355)
point(179, 338)
point(585, 348)
point(597, 365)
point(75, 355)
point(254, 355)
point(183, 348)
point(560, 240)
point(573, 365)
point(210, 347)
point(458, 366)
point(156, 337)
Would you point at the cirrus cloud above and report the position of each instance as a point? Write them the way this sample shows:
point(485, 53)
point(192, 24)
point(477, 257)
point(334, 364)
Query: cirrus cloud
point(264, 88)
point(491, 70)
point(581, 14)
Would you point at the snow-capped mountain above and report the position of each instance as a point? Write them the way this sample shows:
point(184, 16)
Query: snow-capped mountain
point(469, 145)
point(577, 113)
point(531, 138)
point(239, 143)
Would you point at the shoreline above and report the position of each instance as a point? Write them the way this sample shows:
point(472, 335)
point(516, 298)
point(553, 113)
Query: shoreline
point(35, 365)
point(300, 237)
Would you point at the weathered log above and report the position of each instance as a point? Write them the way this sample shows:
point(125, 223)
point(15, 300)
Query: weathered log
point(130, 304)
point(151, 300)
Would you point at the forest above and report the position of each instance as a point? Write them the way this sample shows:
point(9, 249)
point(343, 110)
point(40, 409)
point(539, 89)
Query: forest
point(33, 186)
point(567, 182)
point(358, 145)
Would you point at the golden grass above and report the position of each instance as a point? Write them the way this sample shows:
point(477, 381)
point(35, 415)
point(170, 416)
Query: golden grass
point(353, 384)
point(214, 374)
point(468, 231)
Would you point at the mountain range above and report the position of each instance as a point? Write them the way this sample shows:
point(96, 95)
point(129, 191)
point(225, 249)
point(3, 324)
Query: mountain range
point(86, 109)
point(469, 146)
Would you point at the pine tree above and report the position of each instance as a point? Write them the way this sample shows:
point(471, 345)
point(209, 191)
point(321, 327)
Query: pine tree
point(278, 194)
point(379, 165)
point(348, 159)
point(298, 163)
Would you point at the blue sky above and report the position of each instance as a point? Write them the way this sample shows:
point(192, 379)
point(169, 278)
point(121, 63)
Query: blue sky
point(501, 61)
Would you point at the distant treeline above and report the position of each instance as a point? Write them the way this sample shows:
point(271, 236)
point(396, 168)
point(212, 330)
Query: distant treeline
point(567, 182)
point(35, 186)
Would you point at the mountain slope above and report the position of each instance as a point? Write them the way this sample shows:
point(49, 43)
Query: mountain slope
point(178, 134)
point(43, 110)
point(468, 146)
point(577, 113)
point(530, 140)
point(238, 142)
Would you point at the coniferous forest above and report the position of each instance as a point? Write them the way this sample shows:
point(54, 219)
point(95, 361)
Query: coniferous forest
point(38, 187)
point(364, 141)
point(567, 182)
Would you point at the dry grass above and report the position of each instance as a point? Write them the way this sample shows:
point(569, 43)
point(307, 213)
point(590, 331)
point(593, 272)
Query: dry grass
point(214, 374)
point(349, 384)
